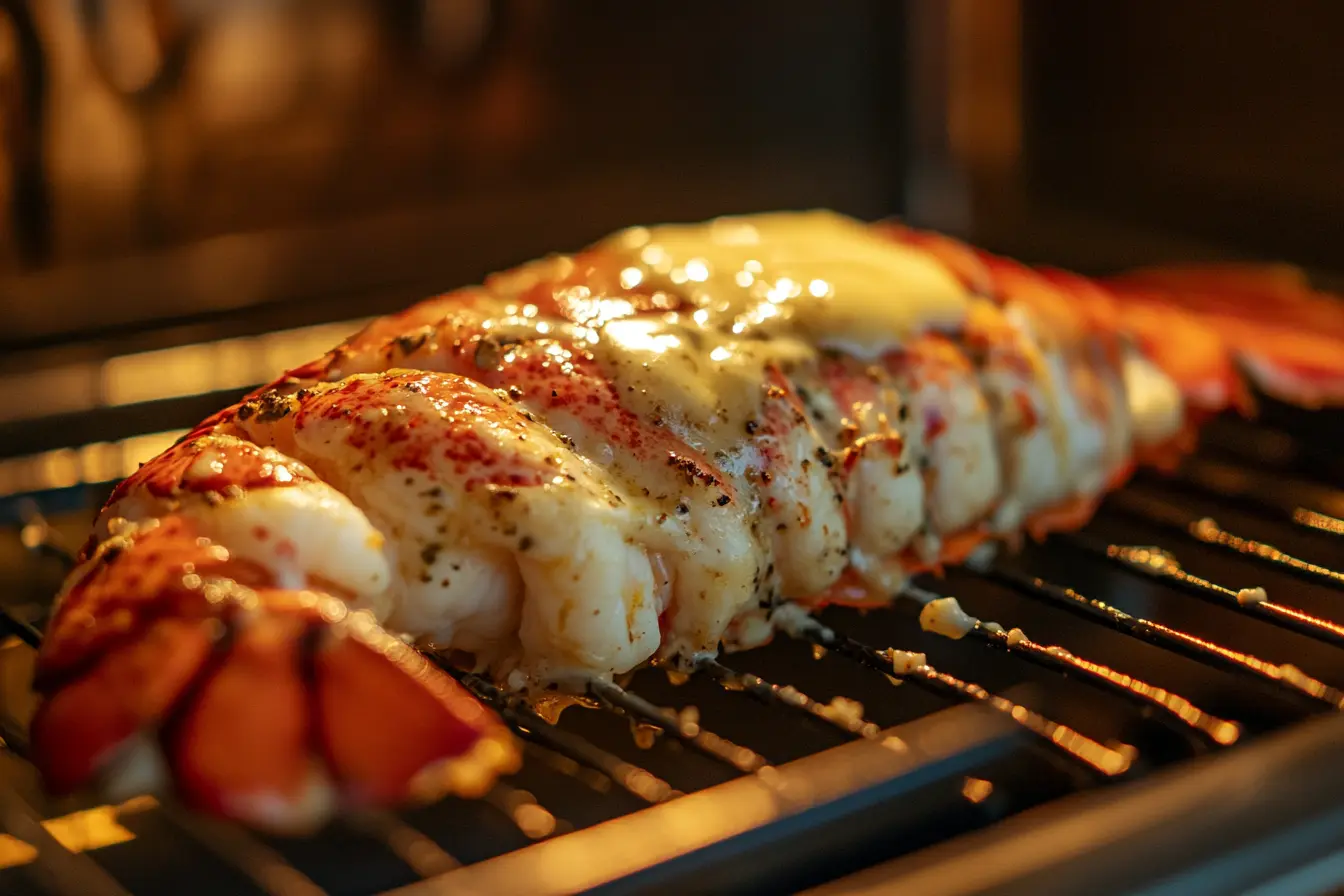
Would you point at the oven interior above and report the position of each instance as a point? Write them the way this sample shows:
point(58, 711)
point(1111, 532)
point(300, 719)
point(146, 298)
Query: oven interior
point(199, 196)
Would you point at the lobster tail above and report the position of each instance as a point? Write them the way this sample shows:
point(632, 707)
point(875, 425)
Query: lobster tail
point(171, 663)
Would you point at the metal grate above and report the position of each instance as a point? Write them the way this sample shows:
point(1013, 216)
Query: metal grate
point(1139, 644)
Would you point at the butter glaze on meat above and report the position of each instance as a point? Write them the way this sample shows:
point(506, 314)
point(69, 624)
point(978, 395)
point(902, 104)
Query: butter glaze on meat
point(637, 451)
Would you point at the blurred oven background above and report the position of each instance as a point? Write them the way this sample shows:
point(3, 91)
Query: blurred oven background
point(197, 193)
point(1144, 130)
point(199, 157)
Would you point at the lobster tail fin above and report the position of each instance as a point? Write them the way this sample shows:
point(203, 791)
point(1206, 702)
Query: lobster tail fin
point(271, 706)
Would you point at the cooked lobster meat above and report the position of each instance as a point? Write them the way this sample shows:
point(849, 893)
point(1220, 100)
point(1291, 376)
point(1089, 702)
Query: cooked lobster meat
point(638, 451)
point(218, 640)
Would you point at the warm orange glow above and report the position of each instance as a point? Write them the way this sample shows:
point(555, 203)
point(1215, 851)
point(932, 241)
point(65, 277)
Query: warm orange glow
point(215, 366)
point(985, 93)
point(97, 462)
point(977, 790)
point(1320, 521)
point(77, 832)
point(195, 369)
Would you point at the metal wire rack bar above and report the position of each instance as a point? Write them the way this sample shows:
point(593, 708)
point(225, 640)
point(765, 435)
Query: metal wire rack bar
point(1200, 649)
point(1060, 739)
point(637, 781)
point(1205, 530)
point(1160, 565)
point(1170, 708)
point(742, 759)
point(787, 697)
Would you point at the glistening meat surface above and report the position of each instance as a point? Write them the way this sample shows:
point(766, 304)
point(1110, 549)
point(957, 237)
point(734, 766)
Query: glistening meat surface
point(591, 461)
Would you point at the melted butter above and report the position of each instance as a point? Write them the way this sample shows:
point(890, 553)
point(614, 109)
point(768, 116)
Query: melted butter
point(822, 274)
point(704, 384)
point(845, 711)
point(645, 735)
point(550, 705)
point(1155, 403)
point(977, 790)
point(945, 617)
point(676, 677)
point(1249, 596)
point(904, 662)
point(758, 293)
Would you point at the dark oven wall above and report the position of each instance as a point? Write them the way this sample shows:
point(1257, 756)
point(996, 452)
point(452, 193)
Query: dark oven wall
point(327, 159)
point(1220, 120)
